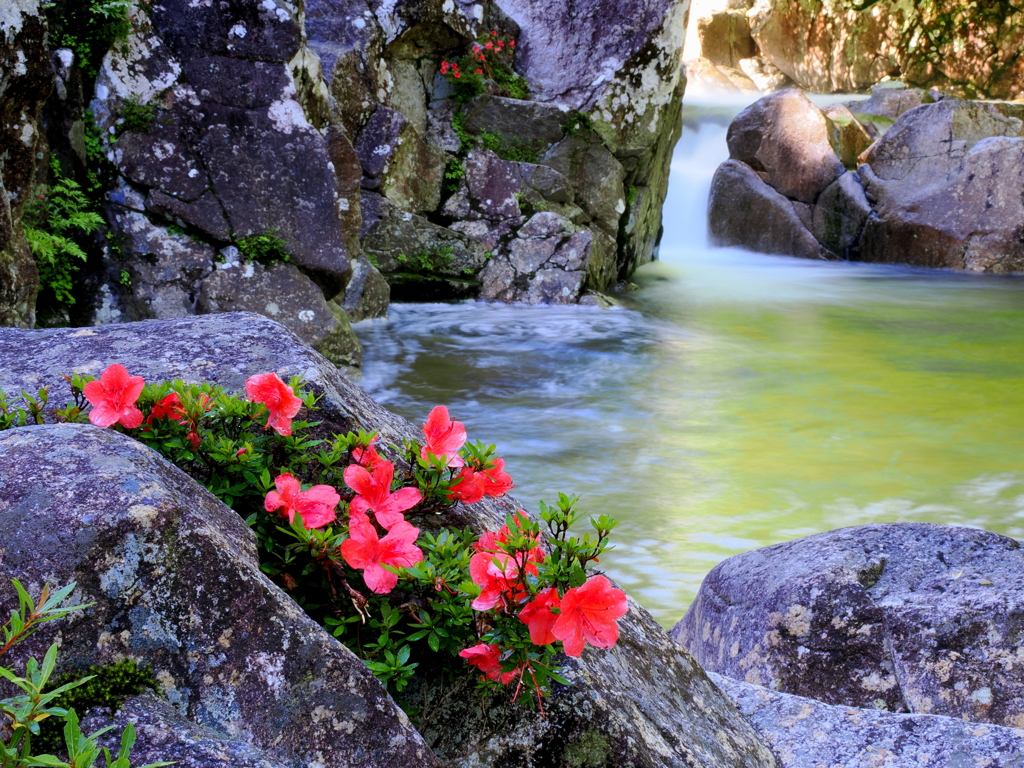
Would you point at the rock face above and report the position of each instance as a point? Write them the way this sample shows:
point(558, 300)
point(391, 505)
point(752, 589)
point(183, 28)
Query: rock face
point(905, 617)
point(804, 733)
point(264, 117)
point(939, 187)
point(26, 79)
point(827, 45)
point(175, 582)
point(643, 703)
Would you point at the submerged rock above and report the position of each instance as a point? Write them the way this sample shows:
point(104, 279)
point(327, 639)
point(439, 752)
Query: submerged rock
point(643, 703)
point(804, 733)
point(905, 617)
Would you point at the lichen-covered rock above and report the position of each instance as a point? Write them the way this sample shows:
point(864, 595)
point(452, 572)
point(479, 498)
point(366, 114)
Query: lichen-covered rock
point(906, 617)
point(164, 736)
point(744, 211)
point(945, 186)
point(398, 163)
point(164, 276)
point(175, 582)
point(26, 79)
point(283, 293)
point(644, 703)
point(804, 733)
point(367, 294)
point(786, 138)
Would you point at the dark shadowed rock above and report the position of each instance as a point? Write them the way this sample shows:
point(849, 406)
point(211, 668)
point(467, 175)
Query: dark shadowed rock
point(905, 617)
point(26, 79)
point(945, 186)
point(804, 733)
point(744, 211)
point(283, 293)
point(367, 294)
point(164, 735)
point(840, 214)
point(531, 123)
point(175, 582)
point(644, 703)
point(785, 137)
point(597, 176)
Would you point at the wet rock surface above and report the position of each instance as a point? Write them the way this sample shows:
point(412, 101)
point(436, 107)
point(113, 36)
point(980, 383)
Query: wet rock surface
point(175, 582)
point(905, 617)
point(804, 733)
point(643, 703)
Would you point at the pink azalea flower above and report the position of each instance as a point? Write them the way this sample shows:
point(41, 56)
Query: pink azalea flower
point(496, 481)
point(538, 617)
point(374, 489)
point(589, 614)
point(365, 551)
point(470, 486)
point(317, 505)
point(113, 398)
point(278, 397)
point(444, 436)
point(487, 658)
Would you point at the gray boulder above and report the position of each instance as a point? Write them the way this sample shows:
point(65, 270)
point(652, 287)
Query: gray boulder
point(281, 292)
point(175, 582)
point(944, 183)
point(848, 136)
point(644, 703)
point(744, 211)
point(840, 214)
point(532, 124)
point(367, 294)
point(804, 733)
point(165, 735)
point(786, 138)
point(904, 617)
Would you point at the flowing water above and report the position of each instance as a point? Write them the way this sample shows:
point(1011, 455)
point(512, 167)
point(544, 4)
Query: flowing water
point(739, 400)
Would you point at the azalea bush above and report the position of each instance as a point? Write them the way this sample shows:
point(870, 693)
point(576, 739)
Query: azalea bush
point(486, 67)
point(330, 515)
point(39, 700)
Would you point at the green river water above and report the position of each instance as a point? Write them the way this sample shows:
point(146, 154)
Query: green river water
point(739, 399)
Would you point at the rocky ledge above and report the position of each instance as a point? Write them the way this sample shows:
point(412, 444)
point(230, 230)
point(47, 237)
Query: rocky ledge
point(906, 176)
point(244, 674)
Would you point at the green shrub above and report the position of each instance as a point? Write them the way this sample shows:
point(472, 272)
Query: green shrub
point(429, 260)
point(137, 117)
point(516, 151)
point(90, 28)
point(55, 223)
point(265, 248)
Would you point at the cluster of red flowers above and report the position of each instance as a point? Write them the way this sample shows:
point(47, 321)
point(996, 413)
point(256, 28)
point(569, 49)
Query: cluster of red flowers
point(503, 571)
point(481, 54)
point(584, 614)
